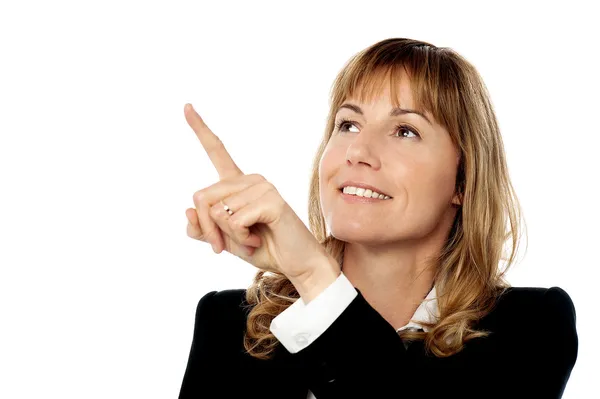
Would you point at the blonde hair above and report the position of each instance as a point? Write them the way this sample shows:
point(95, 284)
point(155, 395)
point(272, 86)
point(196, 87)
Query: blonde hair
point(468, 276)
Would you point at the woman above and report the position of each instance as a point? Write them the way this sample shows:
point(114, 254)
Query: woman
point(404, 296)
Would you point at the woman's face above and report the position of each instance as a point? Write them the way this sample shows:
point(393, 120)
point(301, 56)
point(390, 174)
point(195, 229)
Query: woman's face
point(418, 172)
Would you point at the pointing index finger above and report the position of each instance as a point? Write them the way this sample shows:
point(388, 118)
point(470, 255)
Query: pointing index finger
point(213, 146)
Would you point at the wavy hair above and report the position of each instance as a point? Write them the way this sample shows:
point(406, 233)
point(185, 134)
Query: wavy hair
point(468, 275)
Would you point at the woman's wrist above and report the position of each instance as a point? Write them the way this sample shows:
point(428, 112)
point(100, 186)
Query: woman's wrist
point(315, 282)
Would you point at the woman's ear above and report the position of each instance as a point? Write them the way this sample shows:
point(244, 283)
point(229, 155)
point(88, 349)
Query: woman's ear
point(458, 198)
point(459, 187)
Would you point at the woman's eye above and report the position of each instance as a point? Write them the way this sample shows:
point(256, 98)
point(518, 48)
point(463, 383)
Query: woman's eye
point(344, 123)
point(410, 129)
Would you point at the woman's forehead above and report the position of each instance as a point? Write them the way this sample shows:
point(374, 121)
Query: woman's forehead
point(400, 97)
point(382, 87)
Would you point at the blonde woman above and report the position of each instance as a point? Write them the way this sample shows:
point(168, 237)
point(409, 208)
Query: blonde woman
point(396, 291)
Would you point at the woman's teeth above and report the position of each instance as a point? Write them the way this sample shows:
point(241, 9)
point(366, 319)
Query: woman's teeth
point(361, 192)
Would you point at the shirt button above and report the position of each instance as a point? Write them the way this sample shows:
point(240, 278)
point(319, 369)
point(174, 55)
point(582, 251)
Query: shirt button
point(325, 372)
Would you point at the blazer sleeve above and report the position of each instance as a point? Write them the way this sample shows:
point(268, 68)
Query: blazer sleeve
point(361, 355)
point(202, 362)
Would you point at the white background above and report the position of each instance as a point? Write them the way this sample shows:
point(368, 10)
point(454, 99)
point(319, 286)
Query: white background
point(99, 282)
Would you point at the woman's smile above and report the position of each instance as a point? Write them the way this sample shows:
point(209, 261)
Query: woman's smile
point(355, 199)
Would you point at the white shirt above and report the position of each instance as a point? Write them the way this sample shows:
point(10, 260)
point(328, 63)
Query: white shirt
point(300, 325)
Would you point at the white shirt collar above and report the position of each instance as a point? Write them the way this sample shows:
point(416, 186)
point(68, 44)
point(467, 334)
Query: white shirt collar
point(427, 311)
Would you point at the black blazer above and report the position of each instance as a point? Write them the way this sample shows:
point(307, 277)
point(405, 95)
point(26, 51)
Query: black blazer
point(530, 354)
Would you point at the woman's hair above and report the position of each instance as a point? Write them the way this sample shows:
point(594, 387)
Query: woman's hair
point(468, 276)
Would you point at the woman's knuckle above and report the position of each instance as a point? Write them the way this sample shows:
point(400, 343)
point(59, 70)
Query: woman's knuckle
point(268, 185)
point(257, 177)
point(199, 196)
point(271, 190)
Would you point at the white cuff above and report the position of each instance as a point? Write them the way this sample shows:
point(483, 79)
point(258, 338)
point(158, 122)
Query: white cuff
point(300, 325)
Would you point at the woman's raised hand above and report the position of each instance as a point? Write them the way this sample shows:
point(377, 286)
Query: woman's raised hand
point(263, 229)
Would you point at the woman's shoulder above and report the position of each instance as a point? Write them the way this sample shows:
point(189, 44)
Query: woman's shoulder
point(535, 298)
point(222, 316)
point(518, 308)
point(228, 305)
point(226, 297)
point(533, 293)
point(539, 322)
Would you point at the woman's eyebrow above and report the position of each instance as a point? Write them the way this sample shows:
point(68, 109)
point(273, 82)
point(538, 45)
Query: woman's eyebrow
point(393, 112)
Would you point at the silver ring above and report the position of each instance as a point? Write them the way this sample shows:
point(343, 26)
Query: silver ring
point(227, 208)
